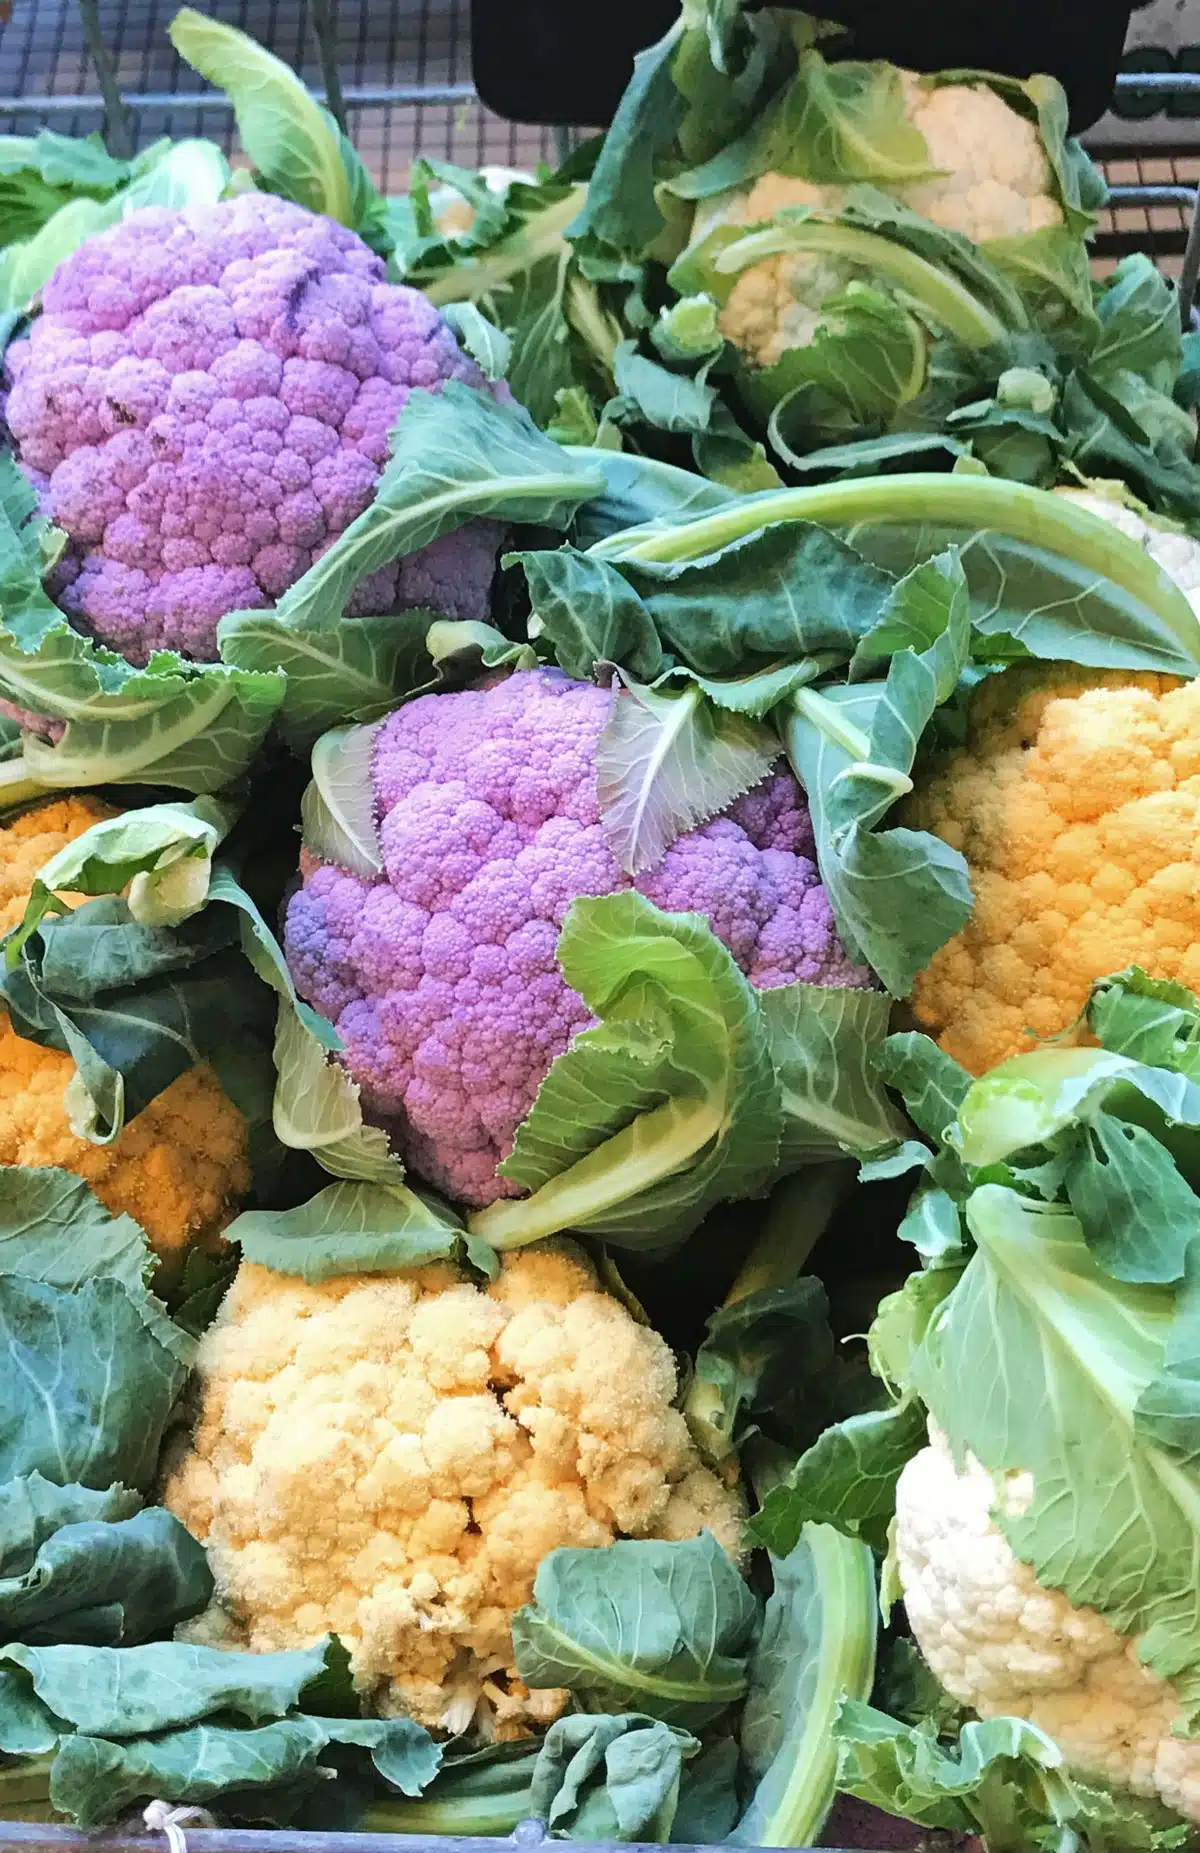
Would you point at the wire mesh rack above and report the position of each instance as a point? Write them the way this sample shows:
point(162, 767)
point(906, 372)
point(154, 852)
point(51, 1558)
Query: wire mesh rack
point(403, 68)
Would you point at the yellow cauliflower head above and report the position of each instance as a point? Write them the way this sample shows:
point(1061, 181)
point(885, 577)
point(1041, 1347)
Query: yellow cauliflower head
point(181, 1166)
point(389, 1458)
point(1076, 803)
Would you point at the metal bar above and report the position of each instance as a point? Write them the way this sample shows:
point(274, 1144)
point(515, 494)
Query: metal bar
point(364, 96)
point(1151, 195)
point(118, 121)
point(1189, 274)
point(1159, 80)
point(324, 32)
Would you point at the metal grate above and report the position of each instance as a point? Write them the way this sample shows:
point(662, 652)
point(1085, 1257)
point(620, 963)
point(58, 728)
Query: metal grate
point(418, 50)
point(380, 45)
point(1156, 225)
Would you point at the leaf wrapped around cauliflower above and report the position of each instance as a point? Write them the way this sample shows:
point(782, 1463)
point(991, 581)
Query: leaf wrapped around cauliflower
point(180, 1167)
point(391, 1458)
point(1044, 1534)
point(206, 399)
point(205, 405)
point(451, 916)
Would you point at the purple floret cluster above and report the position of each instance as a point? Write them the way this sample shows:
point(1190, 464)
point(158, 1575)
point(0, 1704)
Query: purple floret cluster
point(441, 974)
point(205, 403)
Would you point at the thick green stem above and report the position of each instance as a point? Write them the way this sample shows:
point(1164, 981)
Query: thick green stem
point(934, 289)
point(798, 1213)
point(828, 718)
point(976, 505)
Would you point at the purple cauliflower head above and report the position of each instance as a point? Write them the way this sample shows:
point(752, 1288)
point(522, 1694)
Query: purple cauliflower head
point(205, 403)
point(441, 975)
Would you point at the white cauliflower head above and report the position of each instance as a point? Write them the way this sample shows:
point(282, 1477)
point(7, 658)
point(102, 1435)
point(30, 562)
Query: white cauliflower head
point(1177, 552)
point(1005, 1646)
point(992, 179)
point(389, 1458)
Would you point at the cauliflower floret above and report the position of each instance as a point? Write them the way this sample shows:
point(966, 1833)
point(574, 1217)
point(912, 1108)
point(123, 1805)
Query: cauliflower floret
point(1006, 1646)
point(181, 1167)
point(205, 404)
point(1176, 552)
point(1076, 803)
point(439, 1489)
point(441, 974)
point(993, 174)
point(992, 180)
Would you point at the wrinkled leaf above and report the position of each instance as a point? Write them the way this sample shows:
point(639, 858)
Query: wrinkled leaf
point(667, 761)
point(349, 1228)
point(668, 1105)
point(660, 1628)
point(86, 1386)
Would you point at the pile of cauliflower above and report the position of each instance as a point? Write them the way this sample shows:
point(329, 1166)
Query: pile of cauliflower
point(390, 1459)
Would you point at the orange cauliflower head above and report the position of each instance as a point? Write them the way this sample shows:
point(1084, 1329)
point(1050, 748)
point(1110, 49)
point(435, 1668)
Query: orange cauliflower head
point(1076, 803)
point(389, 1458)
point(180, 1168)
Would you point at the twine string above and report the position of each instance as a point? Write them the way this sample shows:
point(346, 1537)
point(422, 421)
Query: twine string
point(165, 1818)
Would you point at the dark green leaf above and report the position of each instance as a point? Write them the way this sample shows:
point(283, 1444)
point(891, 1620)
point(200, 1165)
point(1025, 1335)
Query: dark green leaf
point(53, 1229)
point(846, 1479)
point(825, 1042)
point(590, 615)
point(134, 1006)
point(32, 1510)
point(95, 1781)
point(931, 1083)
point(853, 749)
point(769, 1355)
point(666, 400)
point(621, 210)
point(641, 489)
point(127, 1692)
point(1151, 1020)
point(721, 611)
point(105, 1581)
point(610, 1778)
point(86, 1385)
point(660, 1628)
point(1139, 1216)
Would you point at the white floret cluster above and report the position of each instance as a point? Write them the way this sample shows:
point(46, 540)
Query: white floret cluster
point(1003, 1644)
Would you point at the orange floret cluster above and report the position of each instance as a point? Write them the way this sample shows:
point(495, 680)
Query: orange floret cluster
point(1077, 806)
point(181, 1166)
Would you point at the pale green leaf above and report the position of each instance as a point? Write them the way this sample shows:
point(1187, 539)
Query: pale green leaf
point(817, 1649)
point(668, 760)
point(348, 1228)
point(668, 1105)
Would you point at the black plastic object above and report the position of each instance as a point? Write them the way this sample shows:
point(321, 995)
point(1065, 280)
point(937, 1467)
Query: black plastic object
point(567, 61)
